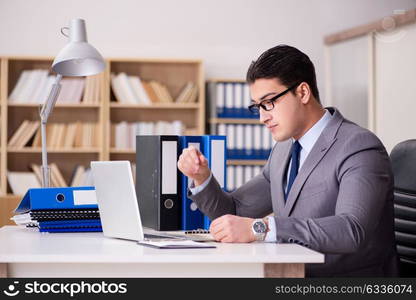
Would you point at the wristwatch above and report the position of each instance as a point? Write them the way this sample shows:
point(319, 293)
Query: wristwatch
point(259, 228)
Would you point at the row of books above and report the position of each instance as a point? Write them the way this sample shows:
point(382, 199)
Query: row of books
point(133, 90)
point(20, 182)
point(58, 135)
point(34, 86)
point(123, 134)
point(246, 141)
point(229, 100)
point(239, 175)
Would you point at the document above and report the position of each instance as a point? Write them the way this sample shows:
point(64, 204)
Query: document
point(175, 244)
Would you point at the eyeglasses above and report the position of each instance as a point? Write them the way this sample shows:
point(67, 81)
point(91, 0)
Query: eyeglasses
point(268, 104)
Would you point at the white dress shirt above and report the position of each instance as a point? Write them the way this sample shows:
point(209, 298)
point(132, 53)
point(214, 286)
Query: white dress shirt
point(307, 141)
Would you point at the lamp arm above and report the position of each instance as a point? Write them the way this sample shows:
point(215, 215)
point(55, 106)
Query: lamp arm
point(44, 115)
point(50, 102)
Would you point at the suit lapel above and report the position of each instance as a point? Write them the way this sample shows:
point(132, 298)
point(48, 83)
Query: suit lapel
point(321, 147)
point(283, 160)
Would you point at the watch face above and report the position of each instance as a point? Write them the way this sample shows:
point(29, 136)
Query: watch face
point(259, 227)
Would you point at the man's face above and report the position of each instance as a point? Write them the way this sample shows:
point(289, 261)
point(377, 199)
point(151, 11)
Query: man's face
point(285, 120)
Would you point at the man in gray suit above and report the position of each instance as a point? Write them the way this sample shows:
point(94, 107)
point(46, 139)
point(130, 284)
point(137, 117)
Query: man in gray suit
point(327, 180)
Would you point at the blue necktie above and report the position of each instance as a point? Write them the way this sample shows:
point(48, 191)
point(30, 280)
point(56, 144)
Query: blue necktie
point(296, 147)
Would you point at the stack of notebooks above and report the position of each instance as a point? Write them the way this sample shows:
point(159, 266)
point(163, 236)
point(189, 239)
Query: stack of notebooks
point(59, 210)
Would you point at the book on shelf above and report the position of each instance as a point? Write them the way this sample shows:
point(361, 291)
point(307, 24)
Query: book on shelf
point(56, 177)
point(23, 134)
point(71, 90)
point(123, 134)
point(161, 92)
point(37, 171)
point(20, 182)
point(238, 175)
point(188, 94)
point(246, 141)
point(92, 91)
point(139, 90)
point(71, 133)
point(229, 100)
point(37, 139)
point(34, 86)
point(150, 91)
point(122, 89)
point(81, 177)
point(133, 90)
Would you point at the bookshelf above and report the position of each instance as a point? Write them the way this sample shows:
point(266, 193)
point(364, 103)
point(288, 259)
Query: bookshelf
point(3, 127)
point(214, 119)
point(249, 143)
point(17, 111)
point(173, 73)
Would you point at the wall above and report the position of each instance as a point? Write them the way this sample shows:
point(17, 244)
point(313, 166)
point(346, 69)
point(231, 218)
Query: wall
point(227, 35)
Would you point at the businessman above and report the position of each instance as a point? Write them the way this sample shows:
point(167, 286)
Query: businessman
point(327, 180)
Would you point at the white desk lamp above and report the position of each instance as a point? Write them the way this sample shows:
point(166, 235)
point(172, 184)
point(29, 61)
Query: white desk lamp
point(77, 58)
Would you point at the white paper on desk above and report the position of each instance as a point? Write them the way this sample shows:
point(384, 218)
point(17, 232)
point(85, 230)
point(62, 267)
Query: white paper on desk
point(176, 244)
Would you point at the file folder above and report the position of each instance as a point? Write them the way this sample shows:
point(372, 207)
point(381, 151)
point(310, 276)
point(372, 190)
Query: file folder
point(58, 198)
point(216, 91)
point(192, 217)
point(229, 107)
point(215, 151)
point(157, 181)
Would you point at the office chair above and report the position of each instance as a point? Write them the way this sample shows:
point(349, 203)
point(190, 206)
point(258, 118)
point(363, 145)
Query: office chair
point(403, 161)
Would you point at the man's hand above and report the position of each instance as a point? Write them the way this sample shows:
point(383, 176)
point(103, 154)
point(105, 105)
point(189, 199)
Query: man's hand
point(232, 229)
point(194, 165)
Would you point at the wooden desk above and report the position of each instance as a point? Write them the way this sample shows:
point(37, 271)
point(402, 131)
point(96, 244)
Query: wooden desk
point(28, 253)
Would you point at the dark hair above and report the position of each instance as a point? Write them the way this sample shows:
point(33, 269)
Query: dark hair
point(286, 63)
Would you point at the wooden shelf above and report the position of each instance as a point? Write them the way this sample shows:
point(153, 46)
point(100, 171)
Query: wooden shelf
point(122, 151)
point(156, 106)
point(51, 150)
point(173, 73)
point(58, 105)
point(233, 121)
point(226, 80)
point(8, 202)
point(246, 162)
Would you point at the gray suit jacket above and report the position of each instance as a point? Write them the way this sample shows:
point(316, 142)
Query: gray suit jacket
point(340, 204)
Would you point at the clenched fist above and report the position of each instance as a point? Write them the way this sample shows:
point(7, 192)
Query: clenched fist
point(232, 229)
point(194, 165)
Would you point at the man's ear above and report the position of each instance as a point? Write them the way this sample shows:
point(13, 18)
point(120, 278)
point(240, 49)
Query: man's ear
point(304, 92)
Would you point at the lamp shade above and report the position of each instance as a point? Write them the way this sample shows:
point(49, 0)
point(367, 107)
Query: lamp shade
point(78, 58)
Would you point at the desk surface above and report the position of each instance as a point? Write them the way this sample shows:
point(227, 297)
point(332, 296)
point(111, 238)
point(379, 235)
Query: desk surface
point(18, 244)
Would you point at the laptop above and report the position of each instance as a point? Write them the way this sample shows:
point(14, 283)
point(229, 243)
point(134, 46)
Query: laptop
point(117, 202)
point(119, 209)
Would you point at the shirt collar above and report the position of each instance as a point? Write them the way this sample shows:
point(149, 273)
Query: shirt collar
point(311, 136)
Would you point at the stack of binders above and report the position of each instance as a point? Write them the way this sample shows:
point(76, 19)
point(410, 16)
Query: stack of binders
point(162, 190)
point(72, 209)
